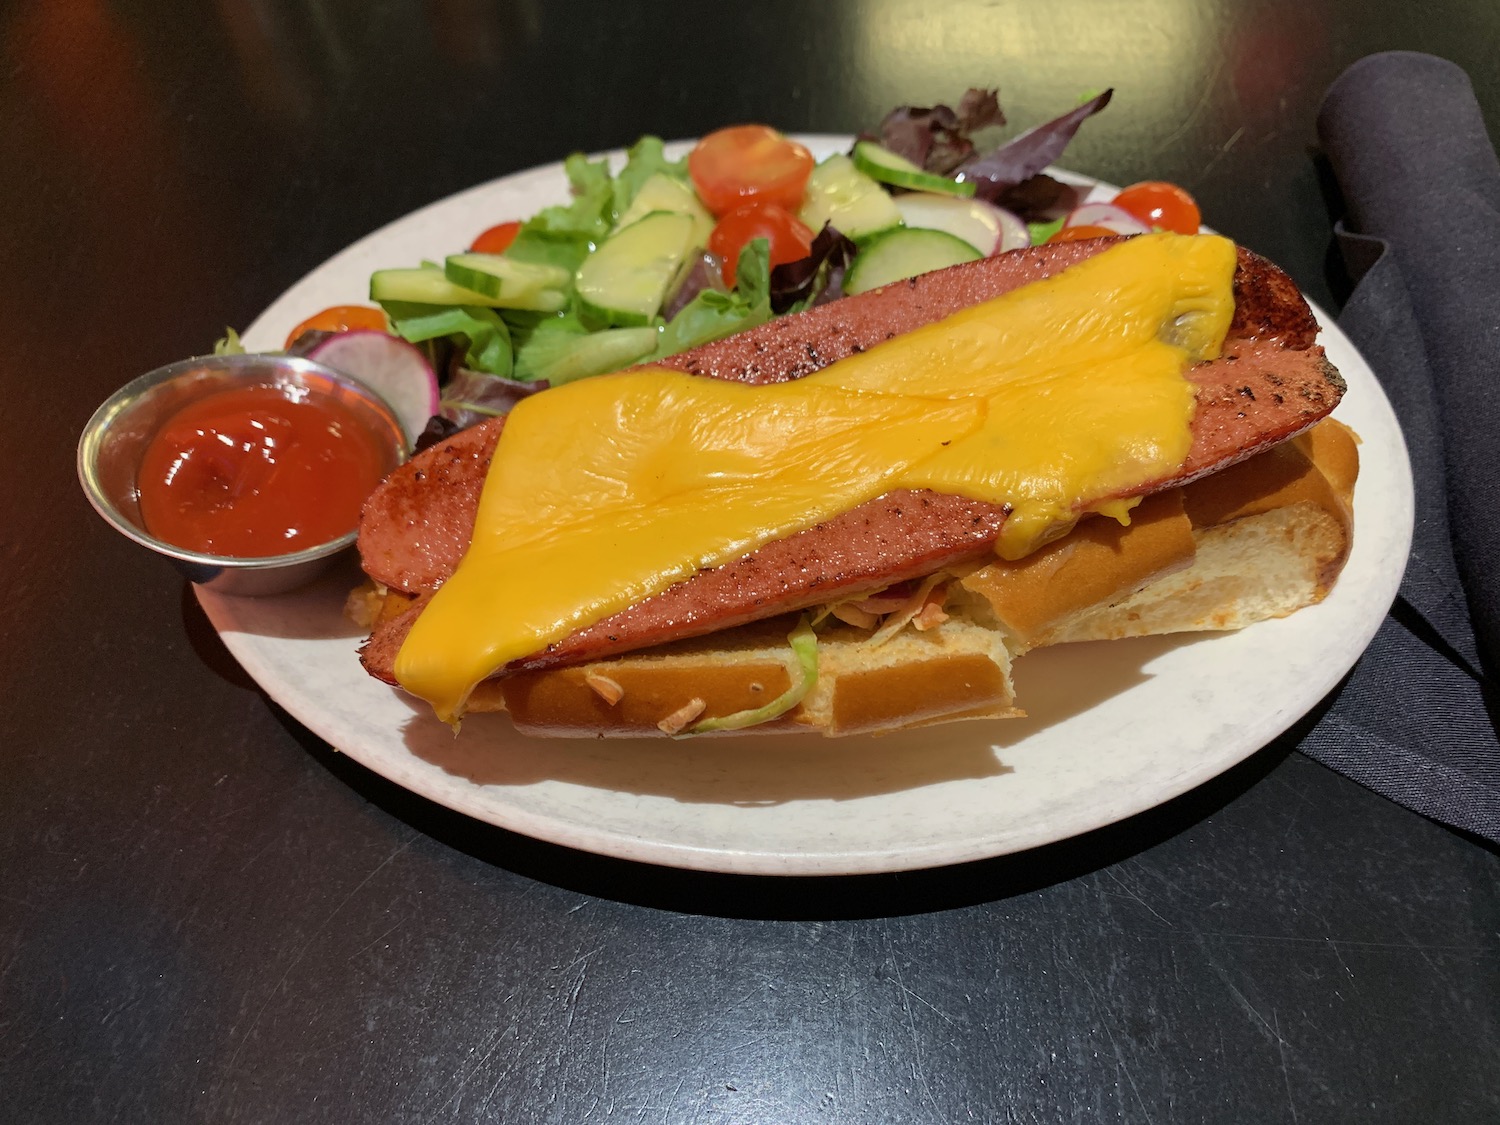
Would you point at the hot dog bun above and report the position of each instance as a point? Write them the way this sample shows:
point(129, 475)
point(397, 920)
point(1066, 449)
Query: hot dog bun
point(1261, 539)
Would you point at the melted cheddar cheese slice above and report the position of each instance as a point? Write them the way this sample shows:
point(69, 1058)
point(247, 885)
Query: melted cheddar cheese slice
point(1053, 399)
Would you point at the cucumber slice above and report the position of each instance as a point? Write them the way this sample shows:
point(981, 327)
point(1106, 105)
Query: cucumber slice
point(597, 353)
point(625, 281)
point(890, 168)
point(500, 277)
point(543, 300)
point(662, 192)
point(839, 193)
point(905, 253)
point(428, 285)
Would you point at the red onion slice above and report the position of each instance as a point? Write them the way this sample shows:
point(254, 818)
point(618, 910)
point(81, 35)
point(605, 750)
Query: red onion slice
point(1105, 215)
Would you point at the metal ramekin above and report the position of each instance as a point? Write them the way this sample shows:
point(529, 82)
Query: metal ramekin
point(115, 440)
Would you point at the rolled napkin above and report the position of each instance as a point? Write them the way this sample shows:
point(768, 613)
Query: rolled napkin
point(1421, 183)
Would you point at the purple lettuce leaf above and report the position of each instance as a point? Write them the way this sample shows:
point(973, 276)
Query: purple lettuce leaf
point(438, 429)
point(815, 279)
point(470, 397)
point(937, 138)
point(1023, 157)
point(979, 109)
point(1040, 198)
point(909, 131)
point(706, 273)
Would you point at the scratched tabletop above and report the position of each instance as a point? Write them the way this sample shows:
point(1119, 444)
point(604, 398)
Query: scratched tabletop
point(208, 915)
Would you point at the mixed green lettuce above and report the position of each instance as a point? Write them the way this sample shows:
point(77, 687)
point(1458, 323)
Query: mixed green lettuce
point(483, 332)
point(643, 160)
point(713, 313)
point(591, 211)
point(544, 349)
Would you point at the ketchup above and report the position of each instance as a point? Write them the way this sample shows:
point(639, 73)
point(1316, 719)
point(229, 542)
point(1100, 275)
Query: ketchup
point(257, 471)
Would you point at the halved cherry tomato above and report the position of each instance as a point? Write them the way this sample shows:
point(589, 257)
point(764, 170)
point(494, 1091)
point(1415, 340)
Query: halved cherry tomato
point(1069, 234)
point(789, 236)
point(497, 239)
point(749, 162)
point(1161, 205)
point(340, 318)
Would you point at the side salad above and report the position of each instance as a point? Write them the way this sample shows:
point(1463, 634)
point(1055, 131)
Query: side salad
point(664, 255)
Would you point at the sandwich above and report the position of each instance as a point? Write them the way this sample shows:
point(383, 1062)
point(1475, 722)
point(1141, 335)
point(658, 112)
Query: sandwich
point(853, 519)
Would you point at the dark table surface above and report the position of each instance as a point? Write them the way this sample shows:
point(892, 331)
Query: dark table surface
point(207, 915)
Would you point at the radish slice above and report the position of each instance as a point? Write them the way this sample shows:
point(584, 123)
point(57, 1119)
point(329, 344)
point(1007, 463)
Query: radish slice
point(1105, 215)
point(391, 367)
point(987, 228)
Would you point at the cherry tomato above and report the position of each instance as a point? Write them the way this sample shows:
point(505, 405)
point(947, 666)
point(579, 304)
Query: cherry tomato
point(340, 318)
point(1069, 234)
point(1161, 205)
point(749, 162)
point(789, 236)
point(497, 239)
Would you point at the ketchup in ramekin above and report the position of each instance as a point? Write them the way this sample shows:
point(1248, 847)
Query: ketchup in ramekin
point(256, 471)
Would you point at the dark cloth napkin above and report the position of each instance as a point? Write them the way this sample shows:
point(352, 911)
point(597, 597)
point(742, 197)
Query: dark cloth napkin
point(1422, 186)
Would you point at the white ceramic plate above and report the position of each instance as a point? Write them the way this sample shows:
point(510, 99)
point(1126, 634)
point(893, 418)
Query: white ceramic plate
point(1114, 729)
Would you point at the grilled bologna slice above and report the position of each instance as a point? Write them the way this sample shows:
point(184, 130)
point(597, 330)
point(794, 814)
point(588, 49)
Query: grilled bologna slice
point(1271, 382)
